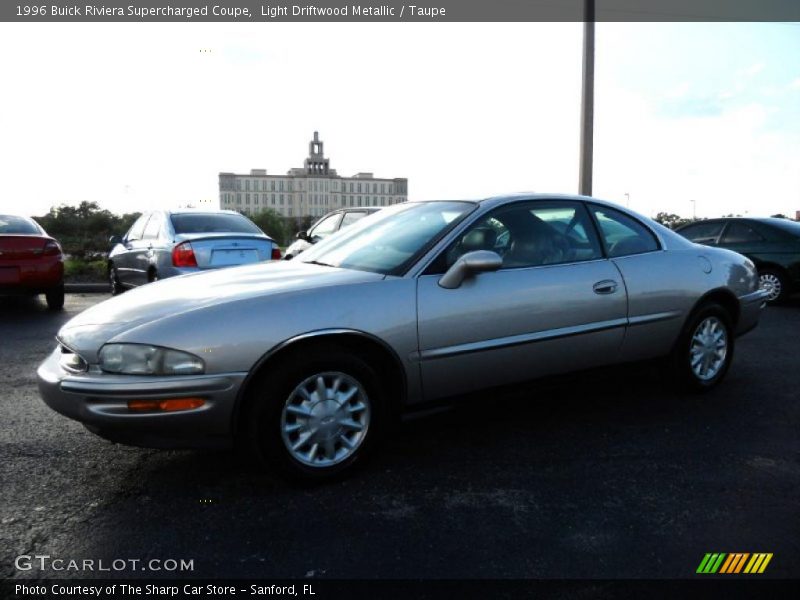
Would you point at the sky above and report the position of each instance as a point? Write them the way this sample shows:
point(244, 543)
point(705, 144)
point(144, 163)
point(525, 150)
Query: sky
point(689, 118)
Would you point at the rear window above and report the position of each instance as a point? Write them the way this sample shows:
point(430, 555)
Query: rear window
point(786, 225)
point(212, 223)
point(9, 224)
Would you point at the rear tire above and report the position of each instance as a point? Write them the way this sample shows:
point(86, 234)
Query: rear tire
point(704, 351)
point(773, 281)
point(316, 416)
point(55, 298)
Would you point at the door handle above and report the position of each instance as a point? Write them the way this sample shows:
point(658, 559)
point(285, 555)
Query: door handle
point(607, 286)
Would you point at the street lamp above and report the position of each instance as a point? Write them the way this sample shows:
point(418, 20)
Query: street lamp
point(587, 102)
point(694, 209)
point(627, 199)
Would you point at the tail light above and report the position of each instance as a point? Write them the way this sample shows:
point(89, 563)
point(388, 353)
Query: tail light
point(51, 248)
point(276, 253)
point(183, 255)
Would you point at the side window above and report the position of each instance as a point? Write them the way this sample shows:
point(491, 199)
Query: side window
point(351, 217)
point(528, 234)
point(740, 233)
point(152, 228)
point(703, 233)
point(622, 234)
point(325, 227)
point(136, 231)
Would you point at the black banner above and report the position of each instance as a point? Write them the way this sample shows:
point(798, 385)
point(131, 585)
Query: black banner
point(397, 11)
point(313, 589)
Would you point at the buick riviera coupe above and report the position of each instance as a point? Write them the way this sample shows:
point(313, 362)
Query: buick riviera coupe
point(305, 362)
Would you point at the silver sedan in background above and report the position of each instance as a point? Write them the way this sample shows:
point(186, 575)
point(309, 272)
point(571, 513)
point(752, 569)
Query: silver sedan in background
point(164, 243)
point(305, 362)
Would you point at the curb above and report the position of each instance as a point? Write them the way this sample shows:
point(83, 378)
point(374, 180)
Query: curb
point(86, 288)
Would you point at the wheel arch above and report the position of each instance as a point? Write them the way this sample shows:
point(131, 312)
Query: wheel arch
point(367, 346)
point(724, 298)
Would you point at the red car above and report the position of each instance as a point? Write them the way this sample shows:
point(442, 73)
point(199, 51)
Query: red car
point(31, 262)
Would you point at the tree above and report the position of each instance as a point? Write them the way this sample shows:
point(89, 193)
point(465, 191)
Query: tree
point(672, 220)
point(779, 216)
point(83, 230)
point(271, 223)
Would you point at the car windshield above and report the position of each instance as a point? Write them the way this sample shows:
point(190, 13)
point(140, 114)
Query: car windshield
point(390, 240)
point(212, 223)
point(9, 224)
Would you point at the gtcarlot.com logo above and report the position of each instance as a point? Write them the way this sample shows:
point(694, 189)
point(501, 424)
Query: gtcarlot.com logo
point(45, 562)
point(734, 562)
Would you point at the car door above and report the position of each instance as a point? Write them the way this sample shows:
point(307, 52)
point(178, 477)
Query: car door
point(151, 248)
point(704, 232)
point(556, 305)
point(741, 237)
point(655, 282)
point(325, 227)
point(125, 260)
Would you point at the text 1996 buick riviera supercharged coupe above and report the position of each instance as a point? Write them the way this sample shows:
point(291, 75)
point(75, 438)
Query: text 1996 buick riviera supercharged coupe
point(306, 361)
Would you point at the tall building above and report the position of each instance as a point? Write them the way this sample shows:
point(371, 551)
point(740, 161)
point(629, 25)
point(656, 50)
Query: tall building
point(311, 190)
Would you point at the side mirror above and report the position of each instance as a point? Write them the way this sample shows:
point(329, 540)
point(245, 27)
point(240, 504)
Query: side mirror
point(303, 235)
point(472, 263)
point(113, 240)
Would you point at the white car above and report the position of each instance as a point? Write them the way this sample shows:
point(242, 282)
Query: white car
point(328, 224)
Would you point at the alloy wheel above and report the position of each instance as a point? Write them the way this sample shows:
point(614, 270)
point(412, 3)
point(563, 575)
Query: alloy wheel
point(325, 419)
point(708, 348)
point(770, 283)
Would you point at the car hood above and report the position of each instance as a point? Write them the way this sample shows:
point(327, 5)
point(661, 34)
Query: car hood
point(88, 331)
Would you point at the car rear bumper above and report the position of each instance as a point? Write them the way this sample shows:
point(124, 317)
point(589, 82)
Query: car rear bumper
point(99, 401)
point(31, 276)
point(750, 307)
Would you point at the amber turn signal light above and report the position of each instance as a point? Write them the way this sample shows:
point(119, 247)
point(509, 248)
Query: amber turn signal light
point(171, 405)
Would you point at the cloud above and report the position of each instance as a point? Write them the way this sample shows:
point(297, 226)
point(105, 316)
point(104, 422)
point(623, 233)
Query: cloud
point(753, 70)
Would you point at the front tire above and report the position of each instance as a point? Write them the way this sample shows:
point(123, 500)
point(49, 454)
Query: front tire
point(55, 298)
point(317, 416)
point(113, 280)
point(774, 282)
point(704, 351)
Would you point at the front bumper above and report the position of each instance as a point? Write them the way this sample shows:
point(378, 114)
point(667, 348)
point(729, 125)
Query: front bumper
point(99, 401)
point(750, 307)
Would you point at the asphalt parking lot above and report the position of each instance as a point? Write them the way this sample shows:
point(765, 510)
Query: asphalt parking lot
point(603, 475)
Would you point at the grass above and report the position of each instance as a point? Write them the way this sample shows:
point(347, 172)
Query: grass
point(77, 269)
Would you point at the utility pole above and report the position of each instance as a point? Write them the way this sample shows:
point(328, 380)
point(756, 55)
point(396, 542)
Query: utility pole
point(587, 100)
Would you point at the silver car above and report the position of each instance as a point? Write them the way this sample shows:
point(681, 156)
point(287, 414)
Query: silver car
point(325, 226)
point(164, 243)
point(306, 362)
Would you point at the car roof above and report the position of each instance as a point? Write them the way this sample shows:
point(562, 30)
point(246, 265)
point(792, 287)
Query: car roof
point(197, 211)
point(533, 196)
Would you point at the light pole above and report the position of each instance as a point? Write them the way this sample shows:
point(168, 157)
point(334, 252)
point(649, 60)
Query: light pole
point(694, 209)
point(627, 199)
point(587, 101)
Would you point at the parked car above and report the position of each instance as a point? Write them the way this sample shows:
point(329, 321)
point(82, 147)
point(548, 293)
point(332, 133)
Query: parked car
point(31, 262)
point(165, 243)
point(772, 244)
point(328, 224)
point(305, 362)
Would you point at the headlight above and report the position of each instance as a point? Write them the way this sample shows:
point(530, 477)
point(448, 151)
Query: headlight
point(139, 359)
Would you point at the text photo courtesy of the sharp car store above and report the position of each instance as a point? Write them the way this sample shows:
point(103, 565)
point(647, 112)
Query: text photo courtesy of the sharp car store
point(228, 562)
